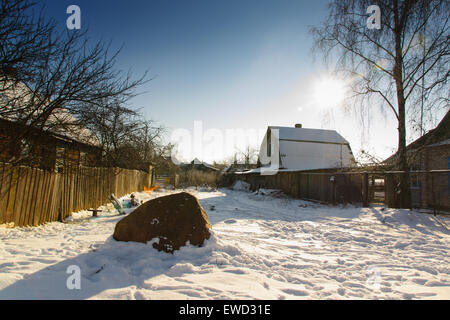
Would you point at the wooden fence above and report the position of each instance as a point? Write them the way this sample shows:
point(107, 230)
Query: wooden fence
point(31, 196)
point(330, 187)
point(429, 189)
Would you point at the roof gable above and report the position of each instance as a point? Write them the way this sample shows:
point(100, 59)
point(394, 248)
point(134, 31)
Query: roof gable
point(60, 122)
point(438, 134)
point(309, 135)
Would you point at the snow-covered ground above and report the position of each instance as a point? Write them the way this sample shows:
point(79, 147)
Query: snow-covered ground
point(262, 247)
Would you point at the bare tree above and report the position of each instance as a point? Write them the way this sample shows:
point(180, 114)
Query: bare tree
point(126, 138)
point(392, 64)
point(248, 156)
point(45, 75)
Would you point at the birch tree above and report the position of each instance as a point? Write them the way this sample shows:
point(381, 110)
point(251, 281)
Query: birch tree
point(396, 59)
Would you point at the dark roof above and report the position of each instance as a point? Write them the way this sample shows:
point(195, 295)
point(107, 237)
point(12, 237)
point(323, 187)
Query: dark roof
point(198, 166)
point(438, 134)
point(434, 136)
point(60, 123)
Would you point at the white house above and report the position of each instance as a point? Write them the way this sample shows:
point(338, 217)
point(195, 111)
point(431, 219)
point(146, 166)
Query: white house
point(300, 148)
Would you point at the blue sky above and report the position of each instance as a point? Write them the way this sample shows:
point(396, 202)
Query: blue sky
point(230, 64)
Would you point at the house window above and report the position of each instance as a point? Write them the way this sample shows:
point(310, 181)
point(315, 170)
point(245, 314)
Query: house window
point(269, 143)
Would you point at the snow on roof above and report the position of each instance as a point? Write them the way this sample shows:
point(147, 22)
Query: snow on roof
point(313, 135)
point(61, 122)
point(441, 143)
point(71, 128)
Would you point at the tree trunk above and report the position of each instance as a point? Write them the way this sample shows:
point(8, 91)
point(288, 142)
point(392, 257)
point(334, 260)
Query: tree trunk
point(405, 192)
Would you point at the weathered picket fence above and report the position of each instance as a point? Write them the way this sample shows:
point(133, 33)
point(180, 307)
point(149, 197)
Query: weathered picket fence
point(31, 196)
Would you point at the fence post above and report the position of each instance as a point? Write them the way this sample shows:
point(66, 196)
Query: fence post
point(333, 190)
point(12, 196)
point(150, 177)
point(175, 180)
point(366, 189)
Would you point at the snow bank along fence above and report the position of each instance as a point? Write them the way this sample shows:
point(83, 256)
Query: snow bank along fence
point(31, 196)
point(429, 189)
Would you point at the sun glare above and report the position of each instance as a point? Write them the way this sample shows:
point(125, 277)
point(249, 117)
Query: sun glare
point(329, 92)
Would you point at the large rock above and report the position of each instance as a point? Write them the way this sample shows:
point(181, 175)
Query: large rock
point(174, 219)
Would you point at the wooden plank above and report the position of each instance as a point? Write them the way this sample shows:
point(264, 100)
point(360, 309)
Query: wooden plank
point(71, 193)
point(77, 191)
point(45, 197)
point(12, 195)
point(66, 195)
point(100, 183)
point(90, 189)
point(62, 192)
point(26, 196)
point(96, 188)
point(29, 195)
point(3, 192)
point(89, 196)
point(35, 198)
point(55, 197)
point(61, 197)
point(40, 213)
point(21, 191)
point(83, 187)
point(101, 187)
point(33, 195)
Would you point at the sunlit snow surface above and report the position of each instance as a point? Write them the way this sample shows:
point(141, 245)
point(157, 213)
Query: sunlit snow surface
point(262, 247)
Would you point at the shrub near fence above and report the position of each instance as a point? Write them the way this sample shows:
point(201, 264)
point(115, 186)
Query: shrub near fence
point(30, 196)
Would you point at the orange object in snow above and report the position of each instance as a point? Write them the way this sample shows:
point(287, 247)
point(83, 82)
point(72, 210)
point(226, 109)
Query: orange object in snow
point(151, 189)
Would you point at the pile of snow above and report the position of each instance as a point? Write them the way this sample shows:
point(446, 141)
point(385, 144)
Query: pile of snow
point(241, 186)
point(261, 248)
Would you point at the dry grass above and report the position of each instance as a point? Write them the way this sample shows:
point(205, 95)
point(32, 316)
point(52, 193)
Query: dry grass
point(199, 178)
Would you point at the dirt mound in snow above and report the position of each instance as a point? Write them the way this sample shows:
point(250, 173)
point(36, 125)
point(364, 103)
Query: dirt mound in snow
point(174, 219)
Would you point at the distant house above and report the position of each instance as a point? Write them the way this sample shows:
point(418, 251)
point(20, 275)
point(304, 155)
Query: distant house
point(305, 149)
point(239, 167)
point(198, 165)
point(429, 152)
point(50, 147)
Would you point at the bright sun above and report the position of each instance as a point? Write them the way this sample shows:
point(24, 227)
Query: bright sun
point(329, 92)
